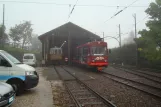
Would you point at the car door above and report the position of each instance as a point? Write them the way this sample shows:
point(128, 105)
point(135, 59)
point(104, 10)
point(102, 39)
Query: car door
point(4, 70)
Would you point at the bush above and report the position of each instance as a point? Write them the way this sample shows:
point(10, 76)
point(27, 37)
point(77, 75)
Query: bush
point(18, 53)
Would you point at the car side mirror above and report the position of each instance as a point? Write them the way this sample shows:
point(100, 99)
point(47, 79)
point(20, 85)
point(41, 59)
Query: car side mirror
point(5, 63)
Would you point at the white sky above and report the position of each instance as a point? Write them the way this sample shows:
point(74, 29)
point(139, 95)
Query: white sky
point(46, 17)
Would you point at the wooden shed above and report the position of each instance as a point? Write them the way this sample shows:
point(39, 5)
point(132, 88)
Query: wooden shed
point(69, 32)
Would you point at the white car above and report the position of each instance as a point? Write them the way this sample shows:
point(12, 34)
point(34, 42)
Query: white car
point(7, 95)
point(29, 59)
point(20, 76)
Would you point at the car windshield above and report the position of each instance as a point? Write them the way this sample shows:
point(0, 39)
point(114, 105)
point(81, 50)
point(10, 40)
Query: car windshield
point(28, 57)
point(98, 50)
point(11, 58)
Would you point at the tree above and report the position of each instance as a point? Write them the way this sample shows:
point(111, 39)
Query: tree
point(150, 39)
point(36, 44)
point(22, 33)
point(5, 36)
point(148, 42)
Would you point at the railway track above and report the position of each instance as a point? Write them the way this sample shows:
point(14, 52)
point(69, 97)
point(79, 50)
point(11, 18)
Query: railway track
point(143, 74)
point(143, 69)
point(82, 94)
point(152, 90)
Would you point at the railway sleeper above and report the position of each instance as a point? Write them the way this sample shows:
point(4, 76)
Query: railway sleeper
point(92, 103)
point(85, 98)
point(83, 94)
point(76, 91)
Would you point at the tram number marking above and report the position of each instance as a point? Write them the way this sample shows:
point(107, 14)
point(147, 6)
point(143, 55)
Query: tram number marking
point(99, 58)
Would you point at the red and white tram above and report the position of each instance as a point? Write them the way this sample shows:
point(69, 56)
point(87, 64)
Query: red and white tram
point(92, 54)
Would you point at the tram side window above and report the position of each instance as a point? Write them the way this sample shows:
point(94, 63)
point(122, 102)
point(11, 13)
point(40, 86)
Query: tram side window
point(85, 51)
point(60, 51)
point(80, 52)
point(77, 53)
point(55, 51)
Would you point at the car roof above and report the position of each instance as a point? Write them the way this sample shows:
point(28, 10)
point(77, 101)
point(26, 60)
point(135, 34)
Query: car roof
point(2, 51)
point(28, 54)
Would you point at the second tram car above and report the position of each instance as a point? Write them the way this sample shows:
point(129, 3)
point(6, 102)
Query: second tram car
point(56, 54)
point(93, 54)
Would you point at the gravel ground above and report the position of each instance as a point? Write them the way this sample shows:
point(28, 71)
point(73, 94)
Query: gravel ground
point(50, 74)
point(158, 74)
point(154, 78)
point(40, 96)
point(65, 75)
point(130, 76)
point(146, 70)
point(83, 95)
point(119, 94)
point(148, 89)
point(86, 75)
point(60, 96)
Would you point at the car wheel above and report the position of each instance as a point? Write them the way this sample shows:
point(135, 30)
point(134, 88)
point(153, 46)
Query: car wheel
point(18, 87)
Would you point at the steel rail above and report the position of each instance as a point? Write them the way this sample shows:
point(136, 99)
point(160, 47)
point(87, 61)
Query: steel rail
point(107, 102)
point(137, 73)
point(132, 70)
point(153, 94)
point(68, 90)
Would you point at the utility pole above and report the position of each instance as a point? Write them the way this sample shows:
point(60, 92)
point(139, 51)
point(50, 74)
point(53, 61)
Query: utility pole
point(3, 26)
point(120, 44)
point(2, 37)
point(135, 26)
point(120, 35)
point(135, 41)
point(103, 36)
point(69, 46)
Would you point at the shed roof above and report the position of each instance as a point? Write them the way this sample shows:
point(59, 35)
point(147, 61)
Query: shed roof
point(68, 27)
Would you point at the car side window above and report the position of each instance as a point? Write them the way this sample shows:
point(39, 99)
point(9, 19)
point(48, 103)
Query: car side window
point(4, 62)
point(1, 58)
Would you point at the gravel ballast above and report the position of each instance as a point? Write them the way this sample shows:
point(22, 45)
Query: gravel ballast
point(119, 94)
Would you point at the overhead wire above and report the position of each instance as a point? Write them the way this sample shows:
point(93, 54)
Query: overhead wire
point(125, 7)
point(72, 10)
point(143, 19)
point(84, 5)
point(132, 27)
point(28, 2)
point(121, 11)
point(136, 24)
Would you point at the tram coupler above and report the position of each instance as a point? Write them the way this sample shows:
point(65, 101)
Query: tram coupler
point(99, 68)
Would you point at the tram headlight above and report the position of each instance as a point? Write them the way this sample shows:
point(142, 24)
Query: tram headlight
point(93, 60)
point(105, 60)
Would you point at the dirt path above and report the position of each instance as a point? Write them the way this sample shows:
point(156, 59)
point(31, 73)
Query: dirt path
point(40, 96)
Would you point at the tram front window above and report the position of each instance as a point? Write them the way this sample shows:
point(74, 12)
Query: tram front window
point(98, 50)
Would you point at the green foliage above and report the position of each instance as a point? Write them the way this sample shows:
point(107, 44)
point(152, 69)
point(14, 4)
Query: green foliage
point(150, 39)
point(127, 54)
point(5, 36)
point(22, 32)
point(36, 44)
point(18, 53)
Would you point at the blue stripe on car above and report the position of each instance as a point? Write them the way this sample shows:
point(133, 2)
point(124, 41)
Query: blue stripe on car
point(4, 77)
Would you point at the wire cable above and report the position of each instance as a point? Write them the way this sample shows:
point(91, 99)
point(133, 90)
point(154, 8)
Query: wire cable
point(27, 2)
point(142, 19)
point(72, 10)
point(121, 11)
point(136, 24)
point(82, 5)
